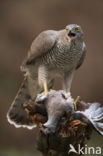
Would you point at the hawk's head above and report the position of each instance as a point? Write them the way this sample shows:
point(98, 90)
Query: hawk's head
point(73, 31)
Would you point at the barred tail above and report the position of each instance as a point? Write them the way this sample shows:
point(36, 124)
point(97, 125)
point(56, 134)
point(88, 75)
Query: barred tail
point(17, 114)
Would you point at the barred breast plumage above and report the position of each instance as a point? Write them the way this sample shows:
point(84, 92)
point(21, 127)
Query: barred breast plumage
point(63, 56)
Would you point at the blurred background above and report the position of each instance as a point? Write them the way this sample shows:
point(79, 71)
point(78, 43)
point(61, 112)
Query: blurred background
point(20, 22)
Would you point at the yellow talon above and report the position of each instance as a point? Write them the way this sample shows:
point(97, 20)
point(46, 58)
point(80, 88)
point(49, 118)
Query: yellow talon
point(45, 88)
point(75, 102)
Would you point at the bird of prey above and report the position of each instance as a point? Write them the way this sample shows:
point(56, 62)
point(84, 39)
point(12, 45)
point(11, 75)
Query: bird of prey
point(52, 54)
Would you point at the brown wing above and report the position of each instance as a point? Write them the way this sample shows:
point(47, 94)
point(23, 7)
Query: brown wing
point(42, 44)
point(82, 57)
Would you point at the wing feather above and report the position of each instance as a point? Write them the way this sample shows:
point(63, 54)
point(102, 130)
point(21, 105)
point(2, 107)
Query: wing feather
point(42, 44)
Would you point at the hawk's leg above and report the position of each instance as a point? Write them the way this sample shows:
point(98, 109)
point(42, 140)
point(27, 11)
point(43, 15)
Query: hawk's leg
point(75, 102)
point(45, 88)
point(43, 77)
point(68, 77)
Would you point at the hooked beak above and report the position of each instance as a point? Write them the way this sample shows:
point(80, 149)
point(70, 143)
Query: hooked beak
point(71, 35)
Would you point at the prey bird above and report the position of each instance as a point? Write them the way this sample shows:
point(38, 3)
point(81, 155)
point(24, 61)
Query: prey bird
point(52, 54)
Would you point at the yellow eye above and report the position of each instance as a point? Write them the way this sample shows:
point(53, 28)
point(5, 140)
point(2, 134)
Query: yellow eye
point(66, 29)
point(77, 29)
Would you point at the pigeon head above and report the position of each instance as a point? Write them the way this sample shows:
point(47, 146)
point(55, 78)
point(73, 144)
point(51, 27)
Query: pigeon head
point(74, 31)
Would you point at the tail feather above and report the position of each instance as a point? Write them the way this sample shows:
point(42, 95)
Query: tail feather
point(28, 91)
point(17, 114)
